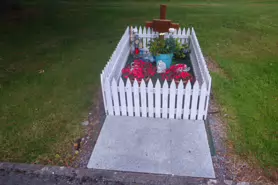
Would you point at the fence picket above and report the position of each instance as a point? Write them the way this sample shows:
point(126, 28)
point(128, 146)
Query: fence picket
point(188, 35)
point(179, 31)
point(115, 97)
point(150, 98)
point(172, 100)
point(122, 97)
point(157, 99)
point(129, 98)
point(165, 99)
point(195, 95)
point(183, 31)
point(143, 98)
point(144, 38)
point(183, 34)
point(179, 100)
point(148, 36)
point(178, 35)
point(136, 98)
point(187, 100)
point(140, 30)
point(149, 31)
point(188, 32)
point(201, 107)
point(102, 89)
point(108, 97)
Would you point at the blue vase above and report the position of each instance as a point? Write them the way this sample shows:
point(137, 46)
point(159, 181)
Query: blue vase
point(166, 58)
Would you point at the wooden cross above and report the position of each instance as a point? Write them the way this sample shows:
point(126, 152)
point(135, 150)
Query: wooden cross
point(162, 25)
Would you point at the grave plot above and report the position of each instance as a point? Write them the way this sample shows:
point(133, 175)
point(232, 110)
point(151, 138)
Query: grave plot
point(152, 97)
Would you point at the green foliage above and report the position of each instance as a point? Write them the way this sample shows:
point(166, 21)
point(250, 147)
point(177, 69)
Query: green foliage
point(182, 50)
point(157, 46)
point(170, 45)
point(162, 46)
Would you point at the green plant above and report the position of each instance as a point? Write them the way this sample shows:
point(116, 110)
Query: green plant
point(182, 50)
point(160, 46)
point(170, 45)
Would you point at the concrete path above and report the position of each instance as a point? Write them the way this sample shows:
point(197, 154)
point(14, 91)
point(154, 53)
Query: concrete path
point(152, 145)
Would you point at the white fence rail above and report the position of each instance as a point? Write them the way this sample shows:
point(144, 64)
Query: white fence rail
point(147, 34)
point(174, 101)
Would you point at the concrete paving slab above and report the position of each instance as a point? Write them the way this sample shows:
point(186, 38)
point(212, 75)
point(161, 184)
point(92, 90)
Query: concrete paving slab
point(152, 145)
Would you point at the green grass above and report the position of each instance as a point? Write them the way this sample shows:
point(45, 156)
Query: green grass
point(41, 113)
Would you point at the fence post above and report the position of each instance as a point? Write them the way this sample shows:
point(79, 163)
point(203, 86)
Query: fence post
point(108, 97)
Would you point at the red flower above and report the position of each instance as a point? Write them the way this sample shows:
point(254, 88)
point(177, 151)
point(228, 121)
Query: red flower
point(137, 51)
point(177, 72)
point(184, 75)
point(139, 70)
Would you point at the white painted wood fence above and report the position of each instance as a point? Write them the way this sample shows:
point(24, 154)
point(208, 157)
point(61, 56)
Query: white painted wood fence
point(155, 99)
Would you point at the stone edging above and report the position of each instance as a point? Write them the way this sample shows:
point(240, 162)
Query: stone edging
point(100, 177)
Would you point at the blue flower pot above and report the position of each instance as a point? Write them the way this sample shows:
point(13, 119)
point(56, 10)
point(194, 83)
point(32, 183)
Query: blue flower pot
point(166, 58)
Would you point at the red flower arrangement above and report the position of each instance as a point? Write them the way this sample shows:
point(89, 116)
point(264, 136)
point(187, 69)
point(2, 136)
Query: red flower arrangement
point(177, 72)
point(139, 70)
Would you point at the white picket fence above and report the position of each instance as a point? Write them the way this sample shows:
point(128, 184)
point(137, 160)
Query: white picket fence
point(155, 99)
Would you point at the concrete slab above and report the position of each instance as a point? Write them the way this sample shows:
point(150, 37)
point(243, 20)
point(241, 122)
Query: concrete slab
point(152, 145)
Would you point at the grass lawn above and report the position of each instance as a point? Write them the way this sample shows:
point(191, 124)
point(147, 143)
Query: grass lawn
point(71, 41)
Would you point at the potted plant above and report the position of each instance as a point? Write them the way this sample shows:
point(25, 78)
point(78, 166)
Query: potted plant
point(163, 49)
